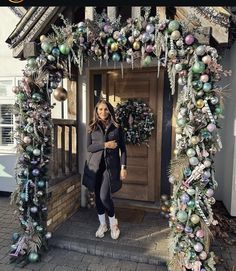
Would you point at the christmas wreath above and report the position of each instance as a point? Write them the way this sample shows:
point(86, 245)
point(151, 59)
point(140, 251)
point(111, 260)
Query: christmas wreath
point(136, 119)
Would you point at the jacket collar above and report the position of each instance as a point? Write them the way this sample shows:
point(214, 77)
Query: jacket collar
point(101, 128)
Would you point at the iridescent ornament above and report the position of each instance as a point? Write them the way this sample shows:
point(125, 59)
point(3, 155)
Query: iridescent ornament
point(36, 152)
point(207, 87)
point(181, 122)
point(110, 41)
point(198, 67)
point(206, 59)
point(211, 127)
point(35, 172)
point(64, 49)
point(150, 28)
point(200, 50)
point(175, 35)
point(147, 61)
point(36, 97)
point(173, 25)
point(31, 62)
point(203, 255)
point(195, 219)
point(115, 57)
point(182, 216)
point(193, 161)
point(191, 204)
point(136, 45)
point(209, 192)
point(33, 257)
point(204, 78)
point(198, 247)
point(189, 39)
point(200, 233)
point(27, 140)
point(200, 103)
point(60, 94)
point(185, 198)
point(114, 47)
point(191, 152)
point(149, 48)
point(47, 47)
point(178, 67)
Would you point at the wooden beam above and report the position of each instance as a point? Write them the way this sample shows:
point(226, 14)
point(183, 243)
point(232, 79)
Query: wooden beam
point(162, 13)
point(112, 13)
point(219, 33)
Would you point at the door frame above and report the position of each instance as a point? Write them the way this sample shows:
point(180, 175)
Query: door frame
point(159, 114)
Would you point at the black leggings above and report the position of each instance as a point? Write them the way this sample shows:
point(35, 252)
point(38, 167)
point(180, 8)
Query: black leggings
point(103, 198)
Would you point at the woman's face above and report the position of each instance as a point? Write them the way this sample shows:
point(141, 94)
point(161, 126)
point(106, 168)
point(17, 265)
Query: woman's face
point(102, 111)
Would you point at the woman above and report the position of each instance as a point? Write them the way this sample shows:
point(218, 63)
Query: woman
point(105, 166)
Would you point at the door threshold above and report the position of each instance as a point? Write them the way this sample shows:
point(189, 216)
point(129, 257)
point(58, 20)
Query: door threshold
point(135, 204)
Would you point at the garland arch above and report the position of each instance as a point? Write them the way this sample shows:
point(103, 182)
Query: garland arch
point(199, 108)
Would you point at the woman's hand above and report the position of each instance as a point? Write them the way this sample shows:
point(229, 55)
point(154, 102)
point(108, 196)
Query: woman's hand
point(110, 144)
point(123, 174)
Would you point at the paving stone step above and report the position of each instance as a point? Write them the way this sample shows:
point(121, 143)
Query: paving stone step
point(106, 249)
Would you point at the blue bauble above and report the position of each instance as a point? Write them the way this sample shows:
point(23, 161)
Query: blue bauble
point(116, 57)
point(185, 198)
point(207, 87)
point(15, 236)
point(55, 52)
point(187, 172)
point(41, 184)
point(35, 172)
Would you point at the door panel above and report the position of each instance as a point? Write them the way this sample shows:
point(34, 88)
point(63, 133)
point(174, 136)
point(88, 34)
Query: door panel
point(141, 183)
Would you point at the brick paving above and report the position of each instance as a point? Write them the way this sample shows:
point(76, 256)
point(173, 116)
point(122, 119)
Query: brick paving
point(58, 259)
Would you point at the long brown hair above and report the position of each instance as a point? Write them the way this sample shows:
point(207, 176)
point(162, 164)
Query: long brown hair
point(93, 124)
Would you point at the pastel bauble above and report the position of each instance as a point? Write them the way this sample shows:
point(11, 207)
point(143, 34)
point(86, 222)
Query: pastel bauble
point(200, 234)
point(189, 39)
point(198, 67)
point(195, 219)
point(211, 127)
point(207, 87)
point(203, 255)
point(200, 103)
point(150, 28)
point(206, 59)
point(209, 192)
point(200, 50)
point(175, 35)
point(204, 78)
point(191, 152)
point(173, 25)
point(198, 247)
point(193, 161)
point(182, 216)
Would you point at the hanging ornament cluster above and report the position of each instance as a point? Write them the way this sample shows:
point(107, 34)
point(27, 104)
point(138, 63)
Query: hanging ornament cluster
point(199, 109)
point(32, 134)
point(165, 205)
point(136, 119)
point(193, 66)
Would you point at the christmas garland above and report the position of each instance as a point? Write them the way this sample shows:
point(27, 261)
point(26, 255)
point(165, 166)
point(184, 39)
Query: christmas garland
point(198, 111)
point(136, 119)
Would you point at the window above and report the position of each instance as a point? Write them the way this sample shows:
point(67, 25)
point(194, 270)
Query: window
point(7, 100)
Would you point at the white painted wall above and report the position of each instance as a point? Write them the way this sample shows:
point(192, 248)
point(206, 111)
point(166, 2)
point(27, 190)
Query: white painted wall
point(226, 159)
point(9, 67)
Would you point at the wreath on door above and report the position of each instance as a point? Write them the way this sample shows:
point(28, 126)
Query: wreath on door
point(136, 119)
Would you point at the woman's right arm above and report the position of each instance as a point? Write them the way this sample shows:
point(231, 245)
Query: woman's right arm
point(93, 147)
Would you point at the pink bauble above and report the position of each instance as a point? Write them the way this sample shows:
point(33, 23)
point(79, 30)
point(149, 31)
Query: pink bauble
point(149, 48)
point(203, 255)
point(204, 78)
point(27, 140)
point(204, 110)
point(107, 28)
point(200, 233)
point(189, 39)
point(211, 127)
point(206, 59)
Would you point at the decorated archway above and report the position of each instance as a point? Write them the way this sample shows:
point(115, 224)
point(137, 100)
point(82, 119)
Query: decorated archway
point(191, 65)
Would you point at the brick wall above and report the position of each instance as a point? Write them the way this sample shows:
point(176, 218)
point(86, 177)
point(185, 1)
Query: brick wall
point(64, 201)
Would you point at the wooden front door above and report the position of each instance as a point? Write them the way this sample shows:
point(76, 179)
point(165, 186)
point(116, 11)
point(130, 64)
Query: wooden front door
point(143, 163)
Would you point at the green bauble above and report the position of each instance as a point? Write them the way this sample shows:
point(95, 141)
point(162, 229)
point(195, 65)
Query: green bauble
point(20, 97)
point(36, 152)
point(33, 257)
point(218, 110)
point(191, 204)
point(110, 41)
point(29, 148)
point(32, 62)
point(47, 47)
point(181, 122)
point(198, 67)
point(36, 97)
point(173, 25)
point(64, 49)
point(182, 216)
point(197, 85)
point(147, 61)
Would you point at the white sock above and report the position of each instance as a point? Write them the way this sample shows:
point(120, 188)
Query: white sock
point(112, 220)
point(102, 219)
